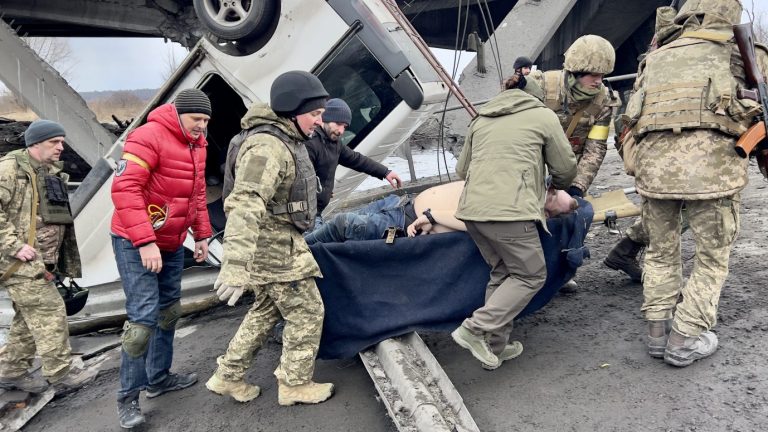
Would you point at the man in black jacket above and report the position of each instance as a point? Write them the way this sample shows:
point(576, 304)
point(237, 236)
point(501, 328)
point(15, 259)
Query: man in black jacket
point(327, 152)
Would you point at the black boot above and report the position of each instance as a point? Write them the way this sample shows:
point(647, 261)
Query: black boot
point(129, 413)
point(623, 257)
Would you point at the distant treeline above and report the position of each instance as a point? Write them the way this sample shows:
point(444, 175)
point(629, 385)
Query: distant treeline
point(141, 94)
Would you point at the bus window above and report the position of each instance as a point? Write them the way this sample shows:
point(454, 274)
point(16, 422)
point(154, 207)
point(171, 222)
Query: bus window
point(353, 74)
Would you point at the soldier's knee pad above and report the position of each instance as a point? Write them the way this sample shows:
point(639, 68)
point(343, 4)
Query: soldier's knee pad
point(169, 316)
point(135, 339)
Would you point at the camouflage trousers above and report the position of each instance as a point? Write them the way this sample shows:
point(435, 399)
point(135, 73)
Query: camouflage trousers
point(300, 305)
point(637, 233)
point(40, 325)
point(715, 225)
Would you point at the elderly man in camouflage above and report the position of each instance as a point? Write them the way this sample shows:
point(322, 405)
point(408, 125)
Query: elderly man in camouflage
point(686, 120)
point(273, 201)
point(624, 254)
point(583, 105)
point(37, 238)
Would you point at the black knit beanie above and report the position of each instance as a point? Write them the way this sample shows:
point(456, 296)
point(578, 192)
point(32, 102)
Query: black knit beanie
point(192, 101)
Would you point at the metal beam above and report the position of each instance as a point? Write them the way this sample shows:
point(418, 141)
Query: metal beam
point(42, 89)
point(175, 20)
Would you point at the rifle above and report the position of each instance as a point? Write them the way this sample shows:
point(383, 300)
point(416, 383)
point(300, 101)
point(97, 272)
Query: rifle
point(754, 139)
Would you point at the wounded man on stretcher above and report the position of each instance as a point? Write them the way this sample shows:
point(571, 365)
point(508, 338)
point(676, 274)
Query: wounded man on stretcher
point(429, 212)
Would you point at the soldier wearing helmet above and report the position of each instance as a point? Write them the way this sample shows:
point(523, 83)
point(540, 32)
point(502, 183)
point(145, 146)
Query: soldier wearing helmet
point(583, 105)
point(581, 102)
point(272, 201)
point(686, 118)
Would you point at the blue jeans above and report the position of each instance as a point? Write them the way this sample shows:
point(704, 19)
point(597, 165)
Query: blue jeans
point(368, 223)
point(146, 294)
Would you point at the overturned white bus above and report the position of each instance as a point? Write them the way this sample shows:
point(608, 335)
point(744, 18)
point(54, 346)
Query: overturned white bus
point(361, 55)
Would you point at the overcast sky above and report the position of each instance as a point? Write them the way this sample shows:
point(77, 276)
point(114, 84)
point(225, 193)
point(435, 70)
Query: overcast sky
point(133, 63)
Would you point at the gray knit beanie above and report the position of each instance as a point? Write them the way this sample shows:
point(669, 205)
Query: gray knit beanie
point(337, 111)
point(192, 100)
point(41, 130)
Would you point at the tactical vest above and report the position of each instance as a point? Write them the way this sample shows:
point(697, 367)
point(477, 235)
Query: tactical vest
point(694, 92)
point(556, 98)
point(301, 206)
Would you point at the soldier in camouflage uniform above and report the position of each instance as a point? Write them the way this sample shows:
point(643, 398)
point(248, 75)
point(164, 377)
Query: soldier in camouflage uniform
point(584, 107)
point(624, 255)
point(274, 199)
point(687, 118)
point(33, 188)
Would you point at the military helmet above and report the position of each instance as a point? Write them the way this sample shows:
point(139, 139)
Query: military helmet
point(591, 54)
point(293, 90)
point(729, 10)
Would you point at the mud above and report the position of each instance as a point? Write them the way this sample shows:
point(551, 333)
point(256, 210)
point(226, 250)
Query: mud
point(584, 367)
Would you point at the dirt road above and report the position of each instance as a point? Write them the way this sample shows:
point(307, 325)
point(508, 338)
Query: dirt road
point(585, 367)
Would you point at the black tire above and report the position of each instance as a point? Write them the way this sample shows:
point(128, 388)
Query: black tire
point(255, 19)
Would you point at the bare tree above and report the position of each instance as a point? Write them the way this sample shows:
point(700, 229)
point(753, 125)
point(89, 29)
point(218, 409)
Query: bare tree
point(170, 63)
point(55, 51)
point(759, 22)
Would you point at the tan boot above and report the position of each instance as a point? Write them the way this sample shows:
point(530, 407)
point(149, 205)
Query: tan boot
point(75, 378)
point(309, 393)
point(241, 391)
point(511, 350)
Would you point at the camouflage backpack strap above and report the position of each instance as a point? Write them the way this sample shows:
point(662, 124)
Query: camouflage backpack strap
point(32, 230)
point(553, 82)
point(709, 35)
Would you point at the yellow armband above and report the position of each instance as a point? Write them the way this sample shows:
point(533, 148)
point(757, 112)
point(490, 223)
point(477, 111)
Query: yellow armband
point(598, 133)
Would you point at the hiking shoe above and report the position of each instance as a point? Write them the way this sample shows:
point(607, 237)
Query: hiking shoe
point(27, 383)
point(569, 287)
point(623, 257)
point(477, 345)
point(510, 351)
point(73, 380)
point(658, 333)
point(129, 413)
point(309, 393)
point(241, 391)
point(682, 351)
point(171, 383)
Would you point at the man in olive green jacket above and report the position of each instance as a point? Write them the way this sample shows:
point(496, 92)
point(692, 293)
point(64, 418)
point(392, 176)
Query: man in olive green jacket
point(504, 162)
point(510, 162)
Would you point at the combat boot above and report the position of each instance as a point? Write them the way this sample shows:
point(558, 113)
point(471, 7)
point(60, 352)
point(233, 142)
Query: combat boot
point(309, 393)
point(241, 391)
point(510, 351)
point(658, 333)
point(623, 257)
point(28, 383)
point(477, 345)
point(73, 380)
point(129, 412)
point(172, 382)
point(682, 351)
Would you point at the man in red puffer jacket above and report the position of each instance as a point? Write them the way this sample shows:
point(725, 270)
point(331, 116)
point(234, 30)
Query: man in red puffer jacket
point(159, 193)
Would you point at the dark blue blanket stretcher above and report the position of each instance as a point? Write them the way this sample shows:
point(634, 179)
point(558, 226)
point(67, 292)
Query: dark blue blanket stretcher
point(373, 291)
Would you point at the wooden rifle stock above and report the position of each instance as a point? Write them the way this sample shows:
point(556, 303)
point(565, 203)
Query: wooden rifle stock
point(745, 40)
point(749, 140)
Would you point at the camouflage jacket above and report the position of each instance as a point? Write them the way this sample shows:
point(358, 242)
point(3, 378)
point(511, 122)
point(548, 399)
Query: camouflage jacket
point(688, 154)
point(15, 212)
point(590, 134)
point(259, 245)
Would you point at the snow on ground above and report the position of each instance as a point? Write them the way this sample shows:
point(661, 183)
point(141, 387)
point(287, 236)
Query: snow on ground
point(425, 163)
